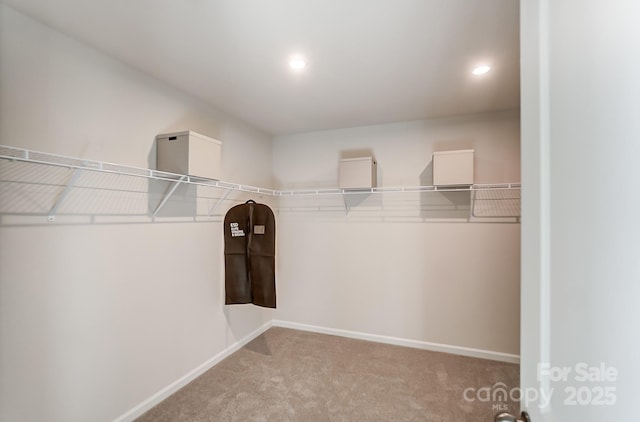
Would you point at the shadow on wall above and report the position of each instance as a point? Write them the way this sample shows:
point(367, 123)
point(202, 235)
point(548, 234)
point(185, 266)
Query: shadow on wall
point(442, 204)
point(170, 199)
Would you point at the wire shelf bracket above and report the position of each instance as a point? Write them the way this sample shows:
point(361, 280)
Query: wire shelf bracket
point(218, 202)
point(168, 194)
point(51, 217)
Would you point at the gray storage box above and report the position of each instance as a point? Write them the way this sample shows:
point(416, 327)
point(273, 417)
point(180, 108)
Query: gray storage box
point(189, 153)
point(453, 168)
point(357, 173)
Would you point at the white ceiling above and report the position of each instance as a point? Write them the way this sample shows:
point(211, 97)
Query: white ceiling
point(370, 61)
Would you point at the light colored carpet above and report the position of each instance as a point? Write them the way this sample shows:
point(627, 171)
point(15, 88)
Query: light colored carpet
point(291, 375)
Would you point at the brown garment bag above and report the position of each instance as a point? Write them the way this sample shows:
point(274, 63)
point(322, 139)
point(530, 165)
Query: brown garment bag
point(249, 255)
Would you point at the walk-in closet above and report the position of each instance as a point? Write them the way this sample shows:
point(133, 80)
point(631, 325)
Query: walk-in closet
point(295, 211)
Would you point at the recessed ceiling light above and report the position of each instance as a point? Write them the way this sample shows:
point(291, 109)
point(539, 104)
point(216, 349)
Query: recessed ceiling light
point(481, 70)
point(297, 63)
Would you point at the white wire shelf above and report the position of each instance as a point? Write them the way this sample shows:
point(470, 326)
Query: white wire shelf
point(398, 189)
point(487, 200)
point(491, 203)
point(37, 157)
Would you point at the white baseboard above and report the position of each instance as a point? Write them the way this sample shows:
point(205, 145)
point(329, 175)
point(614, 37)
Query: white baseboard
point(416, 344)
point(195, 373)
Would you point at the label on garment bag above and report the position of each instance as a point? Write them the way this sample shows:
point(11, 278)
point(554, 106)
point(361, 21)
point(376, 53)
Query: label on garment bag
point(236, 231)
point(258, 229)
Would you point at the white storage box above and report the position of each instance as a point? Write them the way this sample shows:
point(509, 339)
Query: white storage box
point(357, 173)
point(451, 168)
point(189, 153)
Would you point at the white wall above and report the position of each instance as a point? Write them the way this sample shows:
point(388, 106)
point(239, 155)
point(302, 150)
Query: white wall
point(403, 150)
point(96, 318)
point(581, 126)
point(392, 270)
